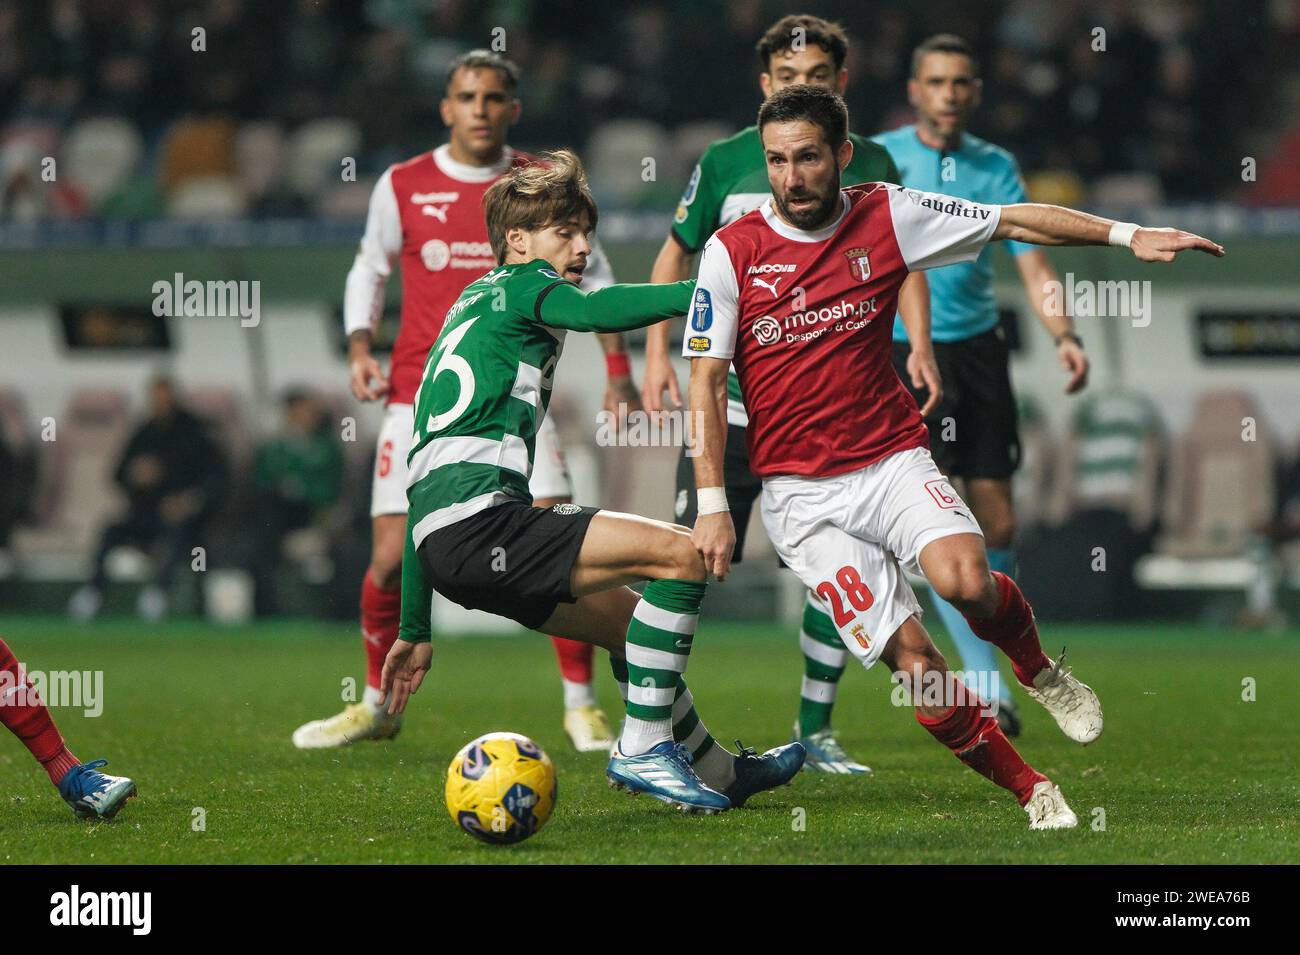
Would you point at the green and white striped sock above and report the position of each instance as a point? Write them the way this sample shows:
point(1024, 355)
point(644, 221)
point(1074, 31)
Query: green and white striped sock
point(823, 665)
point(659, 640)
point(713, 762)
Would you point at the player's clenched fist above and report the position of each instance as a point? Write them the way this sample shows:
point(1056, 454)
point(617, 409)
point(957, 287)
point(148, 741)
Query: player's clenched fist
point(714, 536)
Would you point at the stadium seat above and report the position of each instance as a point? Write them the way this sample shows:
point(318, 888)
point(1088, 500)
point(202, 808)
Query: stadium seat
point(79, 474)
point(1222, 488)
point(259, 158)
point(615, 154)
point(207, 197)
point(348, 200)
point(101, 154)
point(196, 149)
point(316, 153)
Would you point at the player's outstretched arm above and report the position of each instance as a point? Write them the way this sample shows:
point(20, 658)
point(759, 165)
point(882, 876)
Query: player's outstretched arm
point(714, 535)
point(616, 308)
point(673, 264)
point(1042, 224)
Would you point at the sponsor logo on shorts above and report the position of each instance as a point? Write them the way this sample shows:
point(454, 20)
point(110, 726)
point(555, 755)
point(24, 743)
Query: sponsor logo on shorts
point(699, 343)
point(943, 494)
point(767, 330)
point(702, 310)
point(567, 509)
point(859, 263)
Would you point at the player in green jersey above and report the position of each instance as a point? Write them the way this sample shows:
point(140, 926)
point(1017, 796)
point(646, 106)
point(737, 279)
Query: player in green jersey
point(729, 181)
point(475, 537)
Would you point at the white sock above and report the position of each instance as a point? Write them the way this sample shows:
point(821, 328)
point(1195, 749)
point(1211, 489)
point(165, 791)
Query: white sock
point(717, 767)
point(578, 694)
point(375, 700)
point(641, 736)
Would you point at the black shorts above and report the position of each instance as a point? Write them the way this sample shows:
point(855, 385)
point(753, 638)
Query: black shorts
point(973, 430)
point(511, 559)
point(742, 487)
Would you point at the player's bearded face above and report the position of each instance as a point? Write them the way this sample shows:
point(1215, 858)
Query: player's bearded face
point(803, 172)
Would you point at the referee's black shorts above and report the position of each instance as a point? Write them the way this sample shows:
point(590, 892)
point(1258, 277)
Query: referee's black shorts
point(973, 430)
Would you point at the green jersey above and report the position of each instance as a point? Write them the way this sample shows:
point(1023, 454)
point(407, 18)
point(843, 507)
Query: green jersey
point(485, 390)
point(731, 180)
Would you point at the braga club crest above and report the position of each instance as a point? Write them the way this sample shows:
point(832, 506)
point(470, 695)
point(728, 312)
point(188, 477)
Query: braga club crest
point(859, 264)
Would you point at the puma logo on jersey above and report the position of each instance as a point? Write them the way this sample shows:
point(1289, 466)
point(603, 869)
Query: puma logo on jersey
point(771, 287)
point(438, 212)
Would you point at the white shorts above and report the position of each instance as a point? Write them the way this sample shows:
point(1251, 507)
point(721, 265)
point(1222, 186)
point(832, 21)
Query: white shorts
point(848, 537)
point(388, 492)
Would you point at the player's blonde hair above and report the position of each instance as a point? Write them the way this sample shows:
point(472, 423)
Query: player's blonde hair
point(536, 196)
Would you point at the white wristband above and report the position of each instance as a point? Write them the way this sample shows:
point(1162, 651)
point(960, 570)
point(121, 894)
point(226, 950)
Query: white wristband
point(1121, 234)
point(711, 500)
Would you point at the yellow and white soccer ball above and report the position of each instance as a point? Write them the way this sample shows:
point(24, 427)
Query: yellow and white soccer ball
point(501, 787)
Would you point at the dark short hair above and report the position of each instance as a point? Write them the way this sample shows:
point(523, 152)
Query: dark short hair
point(828, 35)
point(812, 103)
point(484, 59)
point(944, 43)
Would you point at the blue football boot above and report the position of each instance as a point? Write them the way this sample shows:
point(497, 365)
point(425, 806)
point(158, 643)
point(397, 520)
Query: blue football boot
point(93, 794)
point(665, 773)
point(756, 774)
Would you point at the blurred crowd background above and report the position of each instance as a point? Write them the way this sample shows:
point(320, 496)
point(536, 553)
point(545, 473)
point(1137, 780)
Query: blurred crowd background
point(252, 125)
point(218, 155)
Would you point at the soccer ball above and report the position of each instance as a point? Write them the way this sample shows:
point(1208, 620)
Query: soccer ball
point(501, 788)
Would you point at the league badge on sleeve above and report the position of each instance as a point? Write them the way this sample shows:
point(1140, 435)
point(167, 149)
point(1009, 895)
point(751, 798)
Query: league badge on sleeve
point(702, 310)
point(859, 263)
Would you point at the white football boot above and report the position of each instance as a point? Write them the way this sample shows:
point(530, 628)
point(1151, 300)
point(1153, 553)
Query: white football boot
point(1071, 702)
point(357, 722)
point(1047, 808)
point(588, 729)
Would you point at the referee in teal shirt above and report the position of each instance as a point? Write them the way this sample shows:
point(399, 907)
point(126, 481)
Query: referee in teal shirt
point(973, 433)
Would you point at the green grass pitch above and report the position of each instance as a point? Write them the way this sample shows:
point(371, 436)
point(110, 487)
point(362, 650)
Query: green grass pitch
point(1186, 772)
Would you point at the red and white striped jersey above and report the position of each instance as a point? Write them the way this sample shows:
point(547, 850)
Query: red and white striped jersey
point(427, 212)
point(806, 318)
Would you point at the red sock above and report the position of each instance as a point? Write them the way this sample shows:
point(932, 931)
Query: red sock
point(1013, 631)
point(381, 612)
point(976, 739)
point(24, 715)
point(575, 659)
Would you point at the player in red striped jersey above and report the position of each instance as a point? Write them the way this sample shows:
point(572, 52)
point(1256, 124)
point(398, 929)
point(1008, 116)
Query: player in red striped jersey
point(850, 492)
point(426, 214)
point(89, 793)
